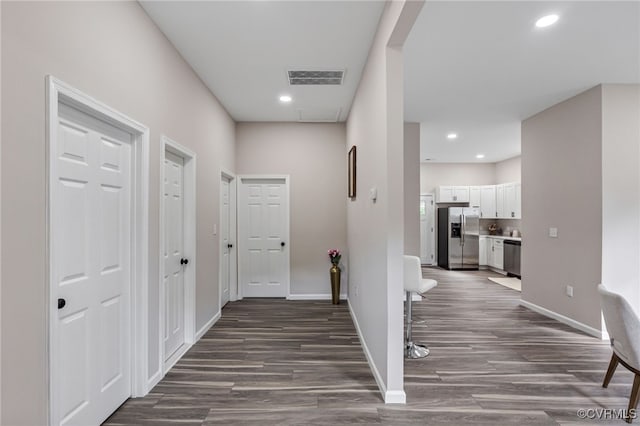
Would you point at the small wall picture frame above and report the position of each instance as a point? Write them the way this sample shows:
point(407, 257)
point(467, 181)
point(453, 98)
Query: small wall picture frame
point(352, 172)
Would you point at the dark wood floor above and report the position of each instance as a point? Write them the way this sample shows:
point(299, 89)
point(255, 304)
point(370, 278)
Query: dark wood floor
point(492, 362)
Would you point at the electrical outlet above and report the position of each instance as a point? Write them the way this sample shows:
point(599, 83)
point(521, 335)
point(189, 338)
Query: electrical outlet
point(570, 290)
point(553, 232)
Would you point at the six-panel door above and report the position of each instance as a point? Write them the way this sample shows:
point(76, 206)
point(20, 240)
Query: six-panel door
point(91, 238)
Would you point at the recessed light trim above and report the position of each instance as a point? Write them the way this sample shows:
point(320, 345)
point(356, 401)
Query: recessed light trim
point(285, 99)
point(452, 136)
point(546, 21)
point(479, 156)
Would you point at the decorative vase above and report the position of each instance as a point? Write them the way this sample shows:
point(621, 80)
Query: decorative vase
point(335, 284)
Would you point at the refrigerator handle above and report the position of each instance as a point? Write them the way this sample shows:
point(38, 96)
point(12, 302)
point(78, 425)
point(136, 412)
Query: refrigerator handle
point(462, 230)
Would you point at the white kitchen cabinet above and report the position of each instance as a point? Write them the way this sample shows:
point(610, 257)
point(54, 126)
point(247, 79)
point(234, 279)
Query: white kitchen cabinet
point(500, 201)
point(475, 197)
point(452, 194)
point(512, 201)
point(518, 201)
point(495, 258)
point(484, 243)
point(488, 201)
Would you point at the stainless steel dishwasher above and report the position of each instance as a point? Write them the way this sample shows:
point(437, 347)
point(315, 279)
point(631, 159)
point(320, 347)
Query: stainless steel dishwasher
point(512, 257)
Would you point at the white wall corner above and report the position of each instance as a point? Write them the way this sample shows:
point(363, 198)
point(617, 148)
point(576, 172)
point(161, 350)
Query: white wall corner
point(565, 320)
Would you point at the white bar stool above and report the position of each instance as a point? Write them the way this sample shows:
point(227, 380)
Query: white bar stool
point(413, 282)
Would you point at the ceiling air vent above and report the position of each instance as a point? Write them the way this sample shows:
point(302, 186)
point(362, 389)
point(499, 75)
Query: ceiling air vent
point(315, 78)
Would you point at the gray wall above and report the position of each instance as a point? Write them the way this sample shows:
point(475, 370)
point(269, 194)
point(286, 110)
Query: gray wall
point(562, 188)
point(314, 157)
point(113, 52)
point(412, 189)
point(621, 190)
point(433, 175)
point(509, 170)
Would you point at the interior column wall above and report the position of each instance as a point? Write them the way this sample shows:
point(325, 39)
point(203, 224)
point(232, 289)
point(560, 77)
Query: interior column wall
point(621, 190)
point(562, 188)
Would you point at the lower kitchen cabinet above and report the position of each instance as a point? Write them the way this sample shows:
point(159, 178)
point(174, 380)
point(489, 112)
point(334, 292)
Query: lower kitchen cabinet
point(495, 256)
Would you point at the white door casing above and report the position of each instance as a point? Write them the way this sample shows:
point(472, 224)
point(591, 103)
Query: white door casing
point(226, 244)
point(263, 236)
point(173, 277)
point(427, 230)
point(97, 258)
point(177, 241)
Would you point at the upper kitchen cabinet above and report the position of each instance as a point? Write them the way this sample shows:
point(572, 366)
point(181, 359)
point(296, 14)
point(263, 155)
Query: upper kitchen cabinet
point(452, 194)
point(474, 196)
point(500, 201)
point(484, 198)
point(488, 201)
point(509, 200)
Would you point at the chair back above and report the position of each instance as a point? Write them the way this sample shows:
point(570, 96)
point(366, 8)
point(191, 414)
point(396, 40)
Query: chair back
point(412, 273)
point(623, 326)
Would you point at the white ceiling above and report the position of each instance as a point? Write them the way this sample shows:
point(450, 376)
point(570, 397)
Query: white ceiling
point(479, 68)
point(476, 68)
point(242, 49)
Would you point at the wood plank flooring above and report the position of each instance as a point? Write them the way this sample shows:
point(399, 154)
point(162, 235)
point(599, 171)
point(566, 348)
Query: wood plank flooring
point(492, 362)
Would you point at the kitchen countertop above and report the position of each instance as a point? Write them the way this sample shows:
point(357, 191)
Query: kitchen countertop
point(502, 237)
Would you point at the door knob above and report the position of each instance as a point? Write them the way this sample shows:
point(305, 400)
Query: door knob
point(229, 245)
point(61, 303)
point(184, 261)
point(282, 244)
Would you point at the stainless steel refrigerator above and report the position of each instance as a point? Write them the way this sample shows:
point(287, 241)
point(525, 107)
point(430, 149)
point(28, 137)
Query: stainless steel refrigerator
point(458, 237)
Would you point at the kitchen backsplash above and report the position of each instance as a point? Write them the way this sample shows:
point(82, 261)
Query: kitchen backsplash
point(506, 225)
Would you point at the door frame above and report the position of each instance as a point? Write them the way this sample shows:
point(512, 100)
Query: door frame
point(286, 179)
point(233, 235)
point(435, 228)
point(189, 249)
point(59, 92)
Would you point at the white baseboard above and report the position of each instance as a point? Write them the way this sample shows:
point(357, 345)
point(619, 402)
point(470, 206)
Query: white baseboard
point(390, 397)
point(207, 326)
point(561, 318)
point(154, 380)
point(158, 375)
point(322, 296)
point(395, 397)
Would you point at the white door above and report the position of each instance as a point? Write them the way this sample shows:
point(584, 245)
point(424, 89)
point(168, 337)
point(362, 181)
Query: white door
point(427, 230)
point(91, 268)
point(173, 279)
point(263, 225)
point(225, 240)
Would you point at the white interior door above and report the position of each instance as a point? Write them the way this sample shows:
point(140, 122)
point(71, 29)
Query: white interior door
point(263, 246)
point(91, 225)
point(225, 239)
point(427, 230)
point(173, 280)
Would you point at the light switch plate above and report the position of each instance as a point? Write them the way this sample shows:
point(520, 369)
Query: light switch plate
point(553, 232)
point(215, 229)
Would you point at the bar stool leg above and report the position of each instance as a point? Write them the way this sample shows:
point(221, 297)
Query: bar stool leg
point(413, 350)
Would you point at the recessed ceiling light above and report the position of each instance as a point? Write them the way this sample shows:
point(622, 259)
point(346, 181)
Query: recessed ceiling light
point(285, 98)
point(545, 21)
point(452, 136)
point(480, 156)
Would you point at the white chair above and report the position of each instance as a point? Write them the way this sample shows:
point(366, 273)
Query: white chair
point(413, 282)
point(623, 327)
